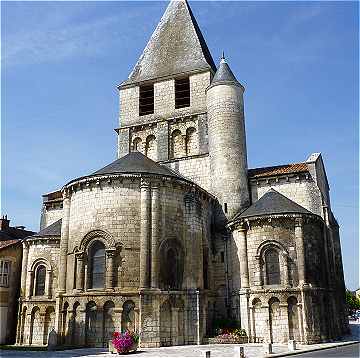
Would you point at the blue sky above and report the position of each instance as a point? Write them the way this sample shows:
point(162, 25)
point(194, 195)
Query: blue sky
point(61, 62)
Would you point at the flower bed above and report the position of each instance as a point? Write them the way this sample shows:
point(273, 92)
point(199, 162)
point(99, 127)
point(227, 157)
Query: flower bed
point(229, 336)
point(228, 339)
point(124, 342)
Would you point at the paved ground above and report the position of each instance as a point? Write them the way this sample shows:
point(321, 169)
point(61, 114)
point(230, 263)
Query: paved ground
point(217, 350)
point(338, 352)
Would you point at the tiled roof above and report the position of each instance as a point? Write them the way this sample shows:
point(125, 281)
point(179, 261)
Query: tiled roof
point(6, 243)
point(273, 202)
point(278, 170)
point(51, 230)
point(12, 233)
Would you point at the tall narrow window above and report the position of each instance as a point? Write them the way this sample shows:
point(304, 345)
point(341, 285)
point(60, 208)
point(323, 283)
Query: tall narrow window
point(182, 92)
point(272, 267)
point(40, 281)
point(146, 100)
point(4, 273)
point(97, 265)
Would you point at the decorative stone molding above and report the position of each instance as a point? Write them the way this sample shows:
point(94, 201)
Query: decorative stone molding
point(100, 235)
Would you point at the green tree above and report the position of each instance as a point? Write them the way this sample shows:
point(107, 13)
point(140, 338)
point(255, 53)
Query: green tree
point(352, 302)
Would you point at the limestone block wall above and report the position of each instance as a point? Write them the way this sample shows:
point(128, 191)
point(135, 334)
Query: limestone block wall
point(164, 100)
point(282, 232)
point(196, 169)
point(50, 214)
point(315, 252)
point(114, 208)
point(227, 146)
point(42, 251)
point(300, 188)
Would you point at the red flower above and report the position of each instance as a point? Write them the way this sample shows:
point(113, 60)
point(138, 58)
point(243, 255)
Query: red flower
point(116, 335)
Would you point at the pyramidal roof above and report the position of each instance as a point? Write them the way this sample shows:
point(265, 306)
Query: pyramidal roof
point(176, 46)
point(136, 162)
point(273, 202)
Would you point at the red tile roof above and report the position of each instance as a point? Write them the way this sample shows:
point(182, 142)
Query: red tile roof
point(278, 170)
point(6, 243)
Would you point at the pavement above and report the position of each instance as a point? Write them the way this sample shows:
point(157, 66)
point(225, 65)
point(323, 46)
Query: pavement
point(251, 350)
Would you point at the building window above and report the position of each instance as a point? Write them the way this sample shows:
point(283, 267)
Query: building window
point(97, 265)
point(146, 100)
point(151, 147)
point(182, 92)
point(40, 280)
point(4, 273)
point(171, 265)
point(272, 267)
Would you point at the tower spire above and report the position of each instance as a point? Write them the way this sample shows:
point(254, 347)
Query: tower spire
point(176, 46)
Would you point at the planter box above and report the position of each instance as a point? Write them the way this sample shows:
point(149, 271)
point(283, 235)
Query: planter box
point(112, 349)
point(238, 340)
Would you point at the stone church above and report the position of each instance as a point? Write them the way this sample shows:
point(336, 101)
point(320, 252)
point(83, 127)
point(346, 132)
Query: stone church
point(178, 231)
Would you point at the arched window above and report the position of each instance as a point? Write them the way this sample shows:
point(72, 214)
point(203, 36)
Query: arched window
point(97, 265)
point(40, 280)
point(177, 149)
point(272, 265)
point(192, 146)
point(150, 147)
point(137, 144)
point(172, 264)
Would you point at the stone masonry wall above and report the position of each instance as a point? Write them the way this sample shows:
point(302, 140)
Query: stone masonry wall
point(49, 215)
point(196, 169)
point(164, 101)
point(301, 190)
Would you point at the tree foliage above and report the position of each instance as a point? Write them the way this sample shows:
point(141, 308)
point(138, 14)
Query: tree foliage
point(353, 303)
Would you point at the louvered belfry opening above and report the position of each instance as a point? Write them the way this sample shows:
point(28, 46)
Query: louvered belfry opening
point(146, 100)
point(182, 92)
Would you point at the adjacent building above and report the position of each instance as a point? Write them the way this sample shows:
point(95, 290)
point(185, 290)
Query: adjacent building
point(10, 273)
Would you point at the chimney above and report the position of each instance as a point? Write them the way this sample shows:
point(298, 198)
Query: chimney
point(4, 222)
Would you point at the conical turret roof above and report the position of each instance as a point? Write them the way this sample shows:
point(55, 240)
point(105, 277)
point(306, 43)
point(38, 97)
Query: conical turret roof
point(224, 75)
point(176, 46)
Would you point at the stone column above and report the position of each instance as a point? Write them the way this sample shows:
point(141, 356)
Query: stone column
point(175, 326)
point(155, 235)
point(136, 323)
point(284, 318)
point(300, 251)
point(285, 274)
point(258, 273)
point(300, 322)
point(145, 222)
point(80, 271)
point(245, 311)
point(252, 335)
point(64, 242)
point(109, 281)
point(29, 284)
point(241, 244)
point(24, 268)
point(117, 314)
point(81, 319)
point(48, 284)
